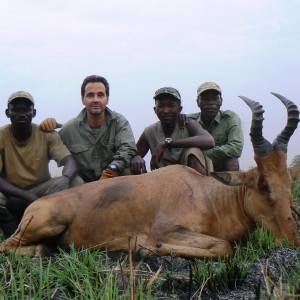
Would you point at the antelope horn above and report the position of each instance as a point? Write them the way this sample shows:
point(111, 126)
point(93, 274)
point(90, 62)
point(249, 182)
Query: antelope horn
point(282, 139)
point(261, 146)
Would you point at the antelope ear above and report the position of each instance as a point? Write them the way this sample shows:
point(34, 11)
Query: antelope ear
point(228, 178)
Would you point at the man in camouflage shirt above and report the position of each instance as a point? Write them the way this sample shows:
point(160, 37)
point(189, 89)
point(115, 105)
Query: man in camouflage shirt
point(100, 140)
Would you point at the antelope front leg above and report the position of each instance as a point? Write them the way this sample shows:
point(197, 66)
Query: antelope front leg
point(189, 245)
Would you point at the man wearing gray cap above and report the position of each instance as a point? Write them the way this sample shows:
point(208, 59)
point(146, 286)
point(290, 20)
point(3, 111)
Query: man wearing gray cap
point(169, 142)
point(25, 152)
point(224, 126)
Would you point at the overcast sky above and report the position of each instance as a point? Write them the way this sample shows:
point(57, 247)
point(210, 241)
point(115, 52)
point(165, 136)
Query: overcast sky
point(249, 48)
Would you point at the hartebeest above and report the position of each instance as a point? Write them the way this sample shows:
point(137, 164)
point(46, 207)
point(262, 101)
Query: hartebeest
point(173, 209)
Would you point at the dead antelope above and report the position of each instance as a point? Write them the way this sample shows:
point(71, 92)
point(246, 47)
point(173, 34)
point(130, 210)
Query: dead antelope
point(173, 209)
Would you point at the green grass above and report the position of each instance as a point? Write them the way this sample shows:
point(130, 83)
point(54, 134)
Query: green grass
point(85, 274)
point(89, 274)
point(227, 273)
point(80, 274)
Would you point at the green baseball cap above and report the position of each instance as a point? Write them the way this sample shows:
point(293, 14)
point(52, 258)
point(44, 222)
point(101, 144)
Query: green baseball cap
point(167, 90)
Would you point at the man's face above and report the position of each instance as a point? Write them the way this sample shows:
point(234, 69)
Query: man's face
point(209, 102)
point(167, 109)
point(21, 112)
point(95, 99)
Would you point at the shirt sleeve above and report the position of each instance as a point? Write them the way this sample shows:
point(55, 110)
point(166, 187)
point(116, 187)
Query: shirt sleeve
point(235, 141)
point(125, 144)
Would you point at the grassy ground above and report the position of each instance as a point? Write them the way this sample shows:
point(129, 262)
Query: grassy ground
point(94, 274)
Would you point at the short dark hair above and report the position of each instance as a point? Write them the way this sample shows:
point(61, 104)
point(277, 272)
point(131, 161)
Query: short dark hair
point(94, 78)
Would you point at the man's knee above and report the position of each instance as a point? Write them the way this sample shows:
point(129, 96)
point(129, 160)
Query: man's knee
point(231, 164)
point(193, 162)
point(196, 159)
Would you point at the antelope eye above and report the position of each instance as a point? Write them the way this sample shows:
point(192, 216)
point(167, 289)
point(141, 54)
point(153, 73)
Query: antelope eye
point(264, 188)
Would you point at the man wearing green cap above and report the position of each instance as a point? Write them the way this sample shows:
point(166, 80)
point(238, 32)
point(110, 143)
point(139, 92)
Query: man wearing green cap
point(224, 126)
point(169, 142)
point(25, 152)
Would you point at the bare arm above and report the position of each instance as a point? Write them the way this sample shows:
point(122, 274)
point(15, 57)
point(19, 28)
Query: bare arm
point(70, 168)
point(198, 137)
point(138, 165)
point(50, 124)
point(12, 190)
point(142, 145)
point(69, 171)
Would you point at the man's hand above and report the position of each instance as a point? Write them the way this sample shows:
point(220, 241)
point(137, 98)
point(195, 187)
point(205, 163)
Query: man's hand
point(157, 155)
point(107, 173)
point(49, 125)
point(138, 165)
point(61, 183)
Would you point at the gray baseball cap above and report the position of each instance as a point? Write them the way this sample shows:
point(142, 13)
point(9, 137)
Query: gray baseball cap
point(167, 90)
point(20, 94)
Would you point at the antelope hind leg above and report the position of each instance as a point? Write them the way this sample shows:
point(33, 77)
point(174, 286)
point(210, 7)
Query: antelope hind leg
point(26, 239)
point(10, 247)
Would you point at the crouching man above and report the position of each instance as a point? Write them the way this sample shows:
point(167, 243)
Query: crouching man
point(170, 141)
point(25, 152)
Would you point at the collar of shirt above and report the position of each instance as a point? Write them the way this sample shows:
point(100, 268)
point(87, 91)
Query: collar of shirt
point(217, 119)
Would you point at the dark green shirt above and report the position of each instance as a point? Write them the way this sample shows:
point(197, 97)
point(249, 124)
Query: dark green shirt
point(93, 150)
point(226, 130)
